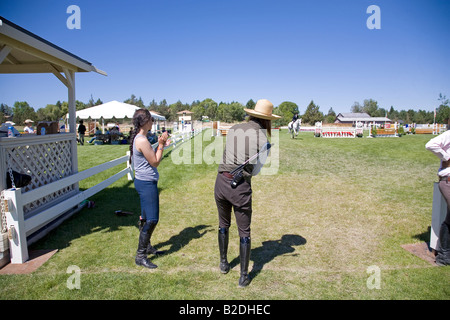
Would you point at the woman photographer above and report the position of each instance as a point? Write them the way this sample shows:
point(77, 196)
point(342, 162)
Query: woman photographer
point(145, 162)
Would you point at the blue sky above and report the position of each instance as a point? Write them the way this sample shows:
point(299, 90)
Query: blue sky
point(229, 50)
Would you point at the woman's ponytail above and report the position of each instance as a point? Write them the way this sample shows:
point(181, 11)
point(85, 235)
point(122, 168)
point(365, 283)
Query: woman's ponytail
point(140, 118)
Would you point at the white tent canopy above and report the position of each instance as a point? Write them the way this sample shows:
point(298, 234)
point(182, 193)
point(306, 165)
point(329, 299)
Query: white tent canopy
point(116, 109)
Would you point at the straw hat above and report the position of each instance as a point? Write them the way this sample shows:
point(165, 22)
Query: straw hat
point(263, 109)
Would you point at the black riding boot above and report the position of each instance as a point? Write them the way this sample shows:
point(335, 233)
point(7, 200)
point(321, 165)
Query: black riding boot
point(223, 249)
point(244, 252)
point(443, 257)
point(150, 248)
point(141, 253)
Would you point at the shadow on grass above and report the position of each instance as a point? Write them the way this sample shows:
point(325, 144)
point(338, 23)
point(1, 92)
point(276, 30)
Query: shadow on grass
point(182, 239)
point(424, 236)
point(101, 218)
point(270, 250)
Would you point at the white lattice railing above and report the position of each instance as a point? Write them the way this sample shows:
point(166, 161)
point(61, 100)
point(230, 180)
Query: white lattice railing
point(14, 202)
point(21, 226)
point(45, 158)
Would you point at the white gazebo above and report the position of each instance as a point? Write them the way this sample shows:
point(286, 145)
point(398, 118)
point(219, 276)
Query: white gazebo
point(47, 158)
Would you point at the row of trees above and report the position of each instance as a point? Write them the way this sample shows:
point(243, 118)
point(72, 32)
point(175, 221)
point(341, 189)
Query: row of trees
point(229, 112)
point(52, 112)
point(408, 116)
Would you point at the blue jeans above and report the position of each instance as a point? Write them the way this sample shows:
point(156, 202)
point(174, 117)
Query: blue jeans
point(148, 194)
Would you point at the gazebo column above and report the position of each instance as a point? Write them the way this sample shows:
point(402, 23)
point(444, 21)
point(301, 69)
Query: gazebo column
point(70, 76)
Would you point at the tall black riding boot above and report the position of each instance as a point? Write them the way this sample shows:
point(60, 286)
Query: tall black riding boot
point(244, 252)
point(223, 249)
point(141, 253)
point(150, 248)
point(443, 257)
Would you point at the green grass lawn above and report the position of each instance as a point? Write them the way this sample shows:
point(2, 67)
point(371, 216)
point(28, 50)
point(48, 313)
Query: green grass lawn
point(335, 207)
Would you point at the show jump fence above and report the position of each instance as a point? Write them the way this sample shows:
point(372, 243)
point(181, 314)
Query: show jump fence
point(220, 130)
point(24, 226)
point(434, 128)
point(386, 132)
point(338, 131)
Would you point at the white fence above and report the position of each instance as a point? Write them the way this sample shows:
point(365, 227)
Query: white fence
point(13, 202)
point(19, 227)
point(46, 159)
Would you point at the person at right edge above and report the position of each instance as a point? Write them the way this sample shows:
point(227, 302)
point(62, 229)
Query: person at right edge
point(243, 141)
point(440, 146)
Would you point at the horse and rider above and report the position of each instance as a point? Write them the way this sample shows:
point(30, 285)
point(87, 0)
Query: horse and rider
point(294, 125)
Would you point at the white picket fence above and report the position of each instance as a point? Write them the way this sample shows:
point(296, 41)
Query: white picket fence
point(13, 202)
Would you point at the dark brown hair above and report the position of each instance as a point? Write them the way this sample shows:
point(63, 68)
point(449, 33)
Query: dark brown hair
point(140, 118)
point(265, 123)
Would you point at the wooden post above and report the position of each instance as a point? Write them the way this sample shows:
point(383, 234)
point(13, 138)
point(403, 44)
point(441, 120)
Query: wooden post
point(16, 226)
point(214, 128)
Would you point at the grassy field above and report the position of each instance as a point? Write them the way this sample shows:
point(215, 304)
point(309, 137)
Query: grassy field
point(334, 208)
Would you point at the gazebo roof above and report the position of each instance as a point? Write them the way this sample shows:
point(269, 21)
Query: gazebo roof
point(24, 52)
point(21, 51)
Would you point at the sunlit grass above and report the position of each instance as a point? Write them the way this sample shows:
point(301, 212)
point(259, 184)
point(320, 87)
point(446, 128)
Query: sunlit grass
point(335, 207)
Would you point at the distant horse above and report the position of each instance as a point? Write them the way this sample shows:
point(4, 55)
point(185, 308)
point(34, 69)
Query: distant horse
point(294, 128)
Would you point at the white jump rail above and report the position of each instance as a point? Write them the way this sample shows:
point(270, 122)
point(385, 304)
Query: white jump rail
point(20, 227)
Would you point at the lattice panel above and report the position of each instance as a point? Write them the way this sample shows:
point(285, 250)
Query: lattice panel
point(45, 163)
